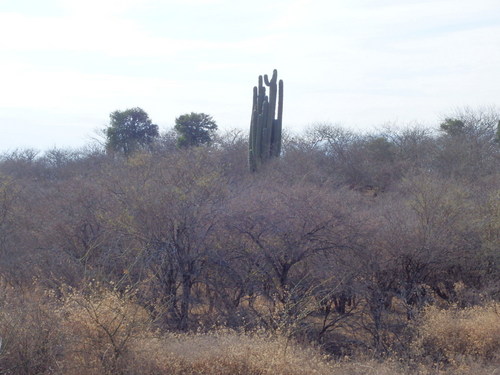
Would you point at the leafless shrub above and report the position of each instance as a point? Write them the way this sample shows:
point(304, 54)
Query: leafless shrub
point(101, 323)
point(32, 339)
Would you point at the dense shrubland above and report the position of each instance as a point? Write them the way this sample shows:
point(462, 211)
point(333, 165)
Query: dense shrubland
point(361, 247)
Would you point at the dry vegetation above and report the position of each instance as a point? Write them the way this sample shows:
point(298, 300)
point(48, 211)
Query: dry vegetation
point(352, 254)
point(455, 333)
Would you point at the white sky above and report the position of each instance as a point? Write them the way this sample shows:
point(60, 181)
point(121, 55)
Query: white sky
point(65, 65)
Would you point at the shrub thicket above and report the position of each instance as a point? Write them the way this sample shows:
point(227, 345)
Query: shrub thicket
point(348, 242)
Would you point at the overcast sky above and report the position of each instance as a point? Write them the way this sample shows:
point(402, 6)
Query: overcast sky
point(65, 65)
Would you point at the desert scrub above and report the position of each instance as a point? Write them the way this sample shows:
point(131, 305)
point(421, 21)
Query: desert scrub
point(456, 333)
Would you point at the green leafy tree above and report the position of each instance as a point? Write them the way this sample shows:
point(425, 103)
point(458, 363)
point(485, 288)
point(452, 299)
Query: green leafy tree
point(453, 126)
point(194, 129)
point(130, 130)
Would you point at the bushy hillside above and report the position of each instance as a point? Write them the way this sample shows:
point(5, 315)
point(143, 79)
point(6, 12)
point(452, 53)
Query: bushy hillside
point(350, 254)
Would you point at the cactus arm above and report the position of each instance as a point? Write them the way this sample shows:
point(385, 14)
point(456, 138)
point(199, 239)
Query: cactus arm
point(266, 132)
point(271, 112)
point(279, 122)
point(253, 122)
point(251, 138)
point(259, 136)
point(273, 78)
point(261, 93)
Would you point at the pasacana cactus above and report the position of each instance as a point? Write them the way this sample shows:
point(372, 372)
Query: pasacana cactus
point(265, 130)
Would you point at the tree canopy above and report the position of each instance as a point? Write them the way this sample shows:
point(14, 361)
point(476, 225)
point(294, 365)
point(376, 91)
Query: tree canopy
point(130, 130)
point(194, 129)
point(452, 126)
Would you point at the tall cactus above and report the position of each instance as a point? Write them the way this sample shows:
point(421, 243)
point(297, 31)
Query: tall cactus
point(265, 130)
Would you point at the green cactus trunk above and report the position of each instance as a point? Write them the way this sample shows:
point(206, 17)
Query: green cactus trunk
point(265, 130)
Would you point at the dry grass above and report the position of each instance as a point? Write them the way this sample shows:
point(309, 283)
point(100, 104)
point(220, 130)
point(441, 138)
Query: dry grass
point(228, 352)
point(452, 334)
point(101, 325)
point(393, 366)
point(105, 332)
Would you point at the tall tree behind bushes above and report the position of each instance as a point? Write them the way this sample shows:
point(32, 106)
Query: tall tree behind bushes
point(195, 129)
point(129, 131)
point(467, 148)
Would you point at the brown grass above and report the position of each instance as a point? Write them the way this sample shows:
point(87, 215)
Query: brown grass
point(228, 352)
point(105, 332)
point(101, 325)
point(454, 333)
